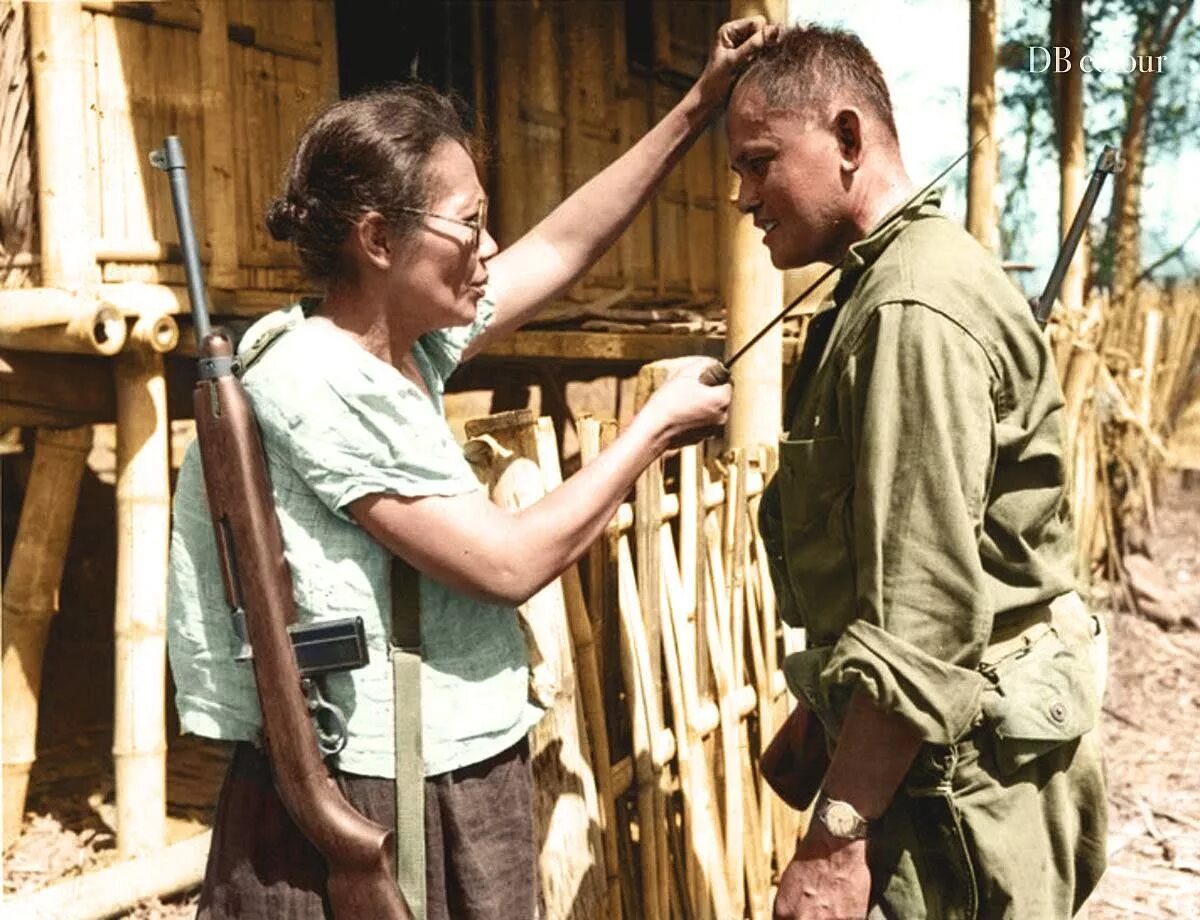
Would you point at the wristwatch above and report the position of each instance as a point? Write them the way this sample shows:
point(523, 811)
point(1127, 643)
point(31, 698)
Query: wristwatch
point(841, 819)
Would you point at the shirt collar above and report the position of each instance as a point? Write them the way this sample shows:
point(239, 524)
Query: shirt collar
point(867, 250)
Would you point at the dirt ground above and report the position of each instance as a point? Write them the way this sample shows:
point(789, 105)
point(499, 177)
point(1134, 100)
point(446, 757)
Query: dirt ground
point(1151, 731)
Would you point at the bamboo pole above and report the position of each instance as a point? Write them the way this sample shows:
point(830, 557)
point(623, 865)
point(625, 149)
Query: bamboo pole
point(75, 389)
point(635, 666)
point(981, 118)
point(591, 691)
point(718, 634)
point(704, 856)
point(31, 602)
point(56, 56)
point(143, 528)
point(117, 889)
point(99, 332)
point(752, 291)
point(566, 807)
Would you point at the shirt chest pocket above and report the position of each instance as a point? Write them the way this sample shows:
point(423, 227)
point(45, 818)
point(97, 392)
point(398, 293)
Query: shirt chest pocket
point(816, 483)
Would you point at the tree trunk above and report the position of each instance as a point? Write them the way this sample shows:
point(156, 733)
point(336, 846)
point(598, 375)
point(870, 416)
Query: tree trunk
point(1067, 29)
point(981, 120)
point(1154, 37)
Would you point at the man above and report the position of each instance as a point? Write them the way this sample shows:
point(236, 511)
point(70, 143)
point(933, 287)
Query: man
point(918, 530)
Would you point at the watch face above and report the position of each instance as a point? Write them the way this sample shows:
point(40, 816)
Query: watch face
point(841, 820)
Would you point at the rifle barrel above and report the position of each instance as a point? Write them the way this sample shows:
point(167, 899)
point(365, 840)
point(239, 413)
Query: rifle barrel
point(1107, 163)
point(169, 158)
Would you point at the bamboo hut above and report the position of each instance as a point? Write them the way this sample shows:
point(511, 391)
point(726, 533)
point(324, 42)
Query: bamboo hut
point(659, 656)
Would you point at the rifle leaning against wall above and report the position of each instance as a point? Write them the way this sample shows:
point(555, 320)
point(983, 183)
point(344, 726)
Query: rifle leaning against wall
point(287, 658)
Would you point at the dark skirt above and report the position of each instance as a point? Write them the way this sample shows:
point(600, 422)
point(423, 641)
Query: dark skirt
point(480, 858)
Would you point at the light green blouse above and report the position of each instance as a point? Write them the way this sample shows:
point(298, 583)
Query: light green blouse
point(338, 424)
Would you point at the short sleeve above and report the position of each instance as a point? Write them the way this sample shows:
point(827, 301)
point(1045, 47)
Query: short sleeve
point(350, 425)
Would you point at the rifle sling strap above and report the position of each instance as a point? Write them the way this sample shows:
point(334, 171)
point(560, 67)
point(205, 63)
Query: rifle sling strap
point(410, 768)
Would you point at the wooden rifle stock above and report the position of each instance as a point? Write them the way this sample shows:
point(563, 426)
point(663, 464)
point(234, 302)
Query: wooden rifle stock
point(358, 851)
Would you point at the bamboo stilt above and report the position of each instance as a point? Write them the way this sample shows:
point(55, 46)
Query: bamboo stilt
point(143, 528)
point(31, 601)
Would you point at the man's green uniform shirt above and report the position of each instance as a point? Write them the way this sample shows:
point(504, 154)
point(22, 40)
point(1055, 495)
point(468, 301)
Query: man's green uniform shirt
point(918, 505)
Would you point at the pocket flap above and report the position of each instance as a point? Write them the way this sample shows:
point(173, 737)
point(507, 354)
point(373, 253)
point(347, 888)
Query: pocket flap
point(1043, 696)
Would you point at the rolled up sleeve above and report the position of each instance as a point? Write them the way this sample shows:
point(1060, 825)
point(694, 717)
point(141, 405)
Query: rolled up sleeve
point(915, 398)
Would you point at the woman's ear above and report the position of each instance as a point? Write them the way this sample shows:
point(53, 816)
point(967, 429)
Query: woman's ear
point(374, 239)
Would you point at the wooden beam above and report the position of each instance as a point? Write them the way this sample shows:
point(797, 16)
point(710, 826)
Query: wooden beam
point(218, 180)
point(604, 346)
point(61, 390)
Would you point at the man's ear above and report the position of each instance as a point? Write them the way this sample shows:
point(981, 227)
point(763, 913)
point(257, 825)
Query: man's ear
point(847, 128)
point(371, 231)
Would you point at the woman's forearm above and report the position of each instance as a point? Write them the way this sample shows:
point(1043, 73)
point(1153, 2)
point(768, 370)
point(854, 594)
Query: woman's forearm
point(568, 241)
point(556, 531)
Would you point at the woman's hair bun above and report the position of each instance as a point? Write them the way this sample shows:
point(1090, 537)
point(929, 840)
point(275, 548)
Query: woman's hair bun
point(284, 217)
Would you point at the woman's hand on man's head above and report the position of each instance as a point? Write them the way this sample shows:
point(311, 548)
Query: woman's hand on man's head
point(736, 44)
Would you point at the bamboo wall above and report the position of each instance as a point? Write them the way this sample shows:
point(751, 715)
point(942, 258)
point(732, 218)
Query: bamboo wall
point(238, 79)
point(156, 77)
point(568, 100)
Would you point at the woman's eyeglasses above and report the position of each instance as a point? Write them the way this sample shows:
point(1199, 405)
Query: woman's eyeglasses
point(476, 224)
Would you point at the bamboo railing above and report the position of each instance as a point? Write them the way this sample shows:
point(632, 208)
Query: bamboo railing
point(681, 825)
point(686, 826)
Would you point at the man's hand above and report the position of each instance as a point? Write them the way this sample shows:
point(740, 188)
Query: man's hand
point(827, 879)
point(736, 44)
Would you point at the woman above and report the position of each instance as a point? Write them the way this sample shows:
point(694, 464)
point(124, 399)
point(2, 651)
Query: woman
point(384, 205)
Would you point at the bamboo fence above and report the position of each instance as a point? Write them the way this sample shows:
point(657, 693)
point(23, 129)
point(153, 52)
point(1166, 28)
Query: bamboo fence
point(1131, 382)
point(651, 805)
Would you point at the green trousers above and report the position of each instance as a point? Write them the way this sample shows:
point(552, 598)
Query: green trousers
point(959, 842)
